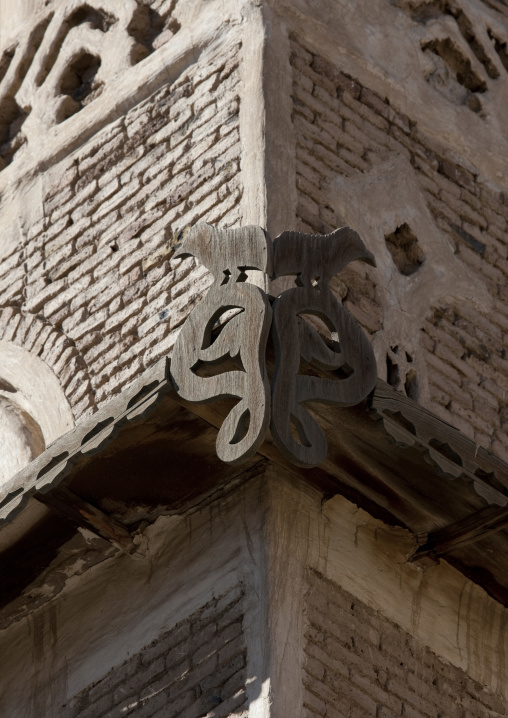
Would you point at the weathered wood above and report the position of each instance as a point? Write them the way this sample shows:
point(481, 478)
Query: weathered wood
point(229, 255)
point(462, 533)
point(82, 513)
point(445, 448)
point(86, 439)
point(315, 260)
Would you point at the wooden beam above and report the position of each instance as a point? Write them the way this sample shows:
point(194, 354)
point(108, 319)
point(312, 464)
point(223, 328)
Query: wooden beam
point(468, 530)
point(80, 512)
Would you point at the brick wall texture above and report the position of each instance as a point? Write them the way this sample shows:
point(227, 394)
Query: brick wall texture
point(343, 129)
point(90, 289)
point(361, 665)
point(196, 669)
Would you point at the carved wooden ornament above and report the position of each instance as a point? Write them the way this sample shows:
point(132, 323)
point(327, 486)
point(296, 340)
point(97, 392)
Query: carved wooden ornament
point(315, 260)
point(349, 359)
point(228, 254)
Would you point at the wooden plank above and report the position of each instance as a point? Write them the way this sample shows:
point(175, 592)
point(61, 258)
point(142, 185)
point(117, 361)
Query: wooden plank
point(450, 452)
point(462, 533)
point(80, 512)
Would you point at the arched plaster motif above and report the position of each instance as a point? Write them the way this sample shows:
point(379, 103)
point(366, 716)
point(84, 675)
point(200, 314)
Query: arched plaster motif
point(56, 350)
point(375, 204)
point(21, 438)
point(34, 410)
point(37, 390)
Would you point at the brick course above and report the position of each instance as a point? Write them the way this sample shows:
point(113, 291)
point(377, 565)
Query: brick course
point(96, 270)
point(344, 128)
point(194, 670)
point(359, 664)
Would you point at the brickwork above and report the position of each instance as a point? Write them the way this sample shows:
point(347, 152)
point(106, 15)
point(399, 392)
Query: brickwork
point(95, 271)
point(194, 670)
point(29, 109)
point(344, 129)
point(361, 665)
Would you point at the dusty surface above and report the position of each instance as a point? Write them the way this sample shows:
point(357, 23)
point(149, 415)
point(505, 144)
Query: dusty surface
point(107, 638)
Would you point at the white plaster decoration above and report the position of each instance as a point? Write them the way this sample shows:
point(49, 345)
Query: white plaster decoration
point(65, 62)
point(33, 409)
point(20, 438)
point(463, 46)
point(13, 15)
point(377, 203)
point(387, 54)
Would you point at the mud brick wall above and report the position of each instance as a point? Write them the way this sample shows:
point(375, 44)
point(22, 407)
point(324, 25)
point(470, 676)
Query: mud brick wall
point(91, 290)
point(195, 669)
point(344, 129)
point(360, 665)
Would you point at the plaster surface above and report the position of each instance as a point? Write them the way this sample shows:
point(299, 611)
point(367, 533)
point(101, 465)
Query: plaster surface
point(33, 408)
point(266, 536)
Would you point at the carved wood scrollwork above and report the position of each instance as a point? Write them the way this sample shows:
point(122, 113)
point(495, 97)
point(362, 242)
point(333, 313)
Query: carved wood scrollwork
point(315, 260)
point(229, 255)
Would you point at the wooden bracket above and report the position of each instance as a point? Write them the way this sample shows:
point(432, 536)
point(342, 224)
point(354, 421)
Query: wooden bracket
point(80, 512)
point(462, 533)
point(246, 317)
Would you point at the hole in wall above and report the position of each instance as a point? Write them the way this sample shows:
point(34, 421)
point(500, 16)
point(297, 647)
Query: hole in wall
point(458, 64)
point(495, 4)
point(79, 82)
point(406, 252)
point(466, 28)
point(5, 61)
point(500, 48)
point(96, 19)
point(151, 29)
point(451, 68)
point(392, 372)
point(411, 385)
point(12, 118)
point(445, 81)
